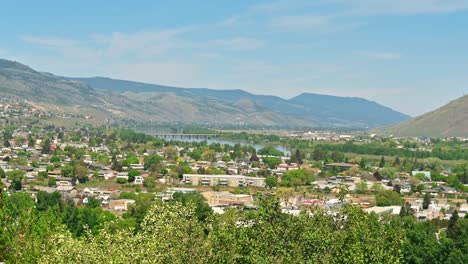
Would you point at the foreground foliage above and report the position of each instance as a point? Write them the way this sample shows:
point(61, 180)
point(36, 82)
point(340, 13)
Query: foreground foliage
point(183, 232)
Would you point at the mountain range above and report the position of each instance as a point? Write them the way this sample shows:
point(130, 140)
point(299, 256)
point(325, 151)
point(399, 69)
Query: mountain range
point(313, 110)
point(105, 98)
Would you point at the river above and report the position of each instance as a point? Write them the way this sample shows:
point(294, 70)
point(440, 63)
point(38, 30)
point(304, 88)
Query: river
point(229, 142)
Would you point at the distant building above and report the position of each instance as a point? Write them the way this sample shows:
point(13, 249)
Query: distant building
point(426, 173)
point(120, 205)
point(227, 198)
point(339, 166)
point(223, 180)
point(381, 210)
point(138, 180)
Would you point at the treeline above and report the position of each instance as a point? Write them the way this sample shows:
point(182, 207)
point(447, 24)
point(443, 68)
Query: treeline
point(379, 149)
point(186, 231)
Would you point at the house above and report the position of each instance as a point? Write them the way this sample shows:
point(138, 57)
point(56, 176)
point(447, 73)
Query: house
point(55, 173)
point(120, 205)
point(66, 189)
point(44, 189)
point(432, 192)
point(4, 165)
point(122, 175)
point(63, 183)
point(138, 180)
point(107, 174)
point(139, 167)
point(286, 167)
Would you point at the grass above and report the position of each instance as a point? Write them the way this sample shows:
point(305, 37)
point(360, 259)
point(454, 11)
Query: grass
point(106, 184)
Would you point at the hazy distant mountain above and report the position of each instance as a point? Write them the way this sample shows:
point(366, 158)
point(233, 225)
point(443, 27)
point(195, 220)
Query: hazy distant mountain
point(449, 120)
point(317, 110)
point(347, 109)
point(63, 95)
point(104, 98)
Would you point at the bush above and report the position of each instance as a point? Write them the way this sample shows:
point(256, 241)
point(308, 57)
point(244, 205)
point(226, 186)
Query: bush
point(121, 181)
point(51, 182)
point(387, 198)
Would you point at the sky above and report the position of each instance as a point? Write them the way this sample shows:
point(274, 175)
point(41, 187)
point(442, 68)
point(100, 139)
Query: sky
point(410, 55)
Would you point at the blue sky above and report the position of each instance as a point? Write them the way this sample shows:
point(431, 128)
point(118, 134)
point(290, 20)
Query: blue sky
point(411, 55)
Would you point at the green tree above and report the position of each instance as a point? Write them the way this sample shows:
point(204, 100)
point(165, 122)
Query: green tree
point(271, 181)
point(93, 202)
point(115, 164)
point(337, 156)
point(363, 164)
point(343, 191)
point(382, 162)
point(426, 201)
point(67, 170)
point(151, 161)
point(51, 182)
point(297, 177)
point(270, 151)
point(226, 158)
point(271, 162)
point(388, 173)
point(209, 155)
point(362, 187)
point(196, 155)
point(406, 210)
point(387, 198)
point(81, 173)
point(46, 146)
point(202, 210)
point(131, 159)
point(132, 174)
point(297, 157)
point(452, 231)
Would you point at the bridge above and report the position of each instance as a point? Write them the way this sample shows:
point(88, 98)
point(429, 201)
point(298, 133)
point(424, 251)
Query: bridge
point(184, 136)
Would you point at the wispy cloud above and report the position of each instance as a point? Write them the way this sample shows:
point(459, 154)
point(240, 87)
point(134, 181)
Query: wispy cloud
point(330, 15)
point(145, 43)
point(300, 22)
point(117, 45)
point(50, 41)
point(283, 5)
point(239, 43)
point(400, 7)
point(380, 55)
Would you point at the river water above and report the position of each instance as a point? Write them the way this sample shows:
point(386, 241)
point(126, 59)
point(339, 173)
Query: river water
point(229, 142)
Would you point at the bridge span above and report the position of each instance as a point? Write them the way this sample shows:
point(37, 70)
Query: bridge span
point(174, 136)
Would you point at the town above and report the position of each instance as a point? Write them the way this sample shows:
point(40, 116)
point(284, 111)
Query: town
point(102, 164)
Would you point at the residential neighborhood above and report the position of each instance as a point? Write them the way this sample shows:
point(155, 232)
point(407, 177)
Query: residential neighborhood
point(81, 163)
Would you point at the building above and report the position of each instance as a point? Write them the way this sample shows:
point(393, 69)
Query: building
point(381, 210)
point(227, 198)
point(286, 167)
point(138, 180)
point(339, 166)
point(223, 180)
point(120, 205)
point(427, 174)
